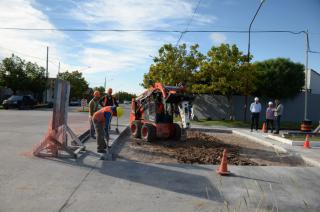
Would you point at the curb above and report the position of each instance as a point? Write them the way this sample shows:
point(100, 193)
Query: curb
point(108, 156)
point(260, 141)
point(293, 143)
point(210, 130)
point(84, 136)
point(114, 143)
point(310, 161)
point(282, 140)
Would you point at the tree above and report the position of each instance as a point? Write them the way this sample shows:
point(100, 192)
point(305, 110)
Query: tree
point(79, 86)
point(17, 74)
point(174, 65)
point(124, 96)
point(279, 78)
point(223, 73)
point(100, 89)
point(37, 80)
point(13, 74)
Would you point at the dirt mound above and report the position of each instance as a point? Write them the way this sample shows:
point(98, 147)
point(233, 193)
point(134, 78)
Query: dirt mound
point(202, 148)
point(199, 148)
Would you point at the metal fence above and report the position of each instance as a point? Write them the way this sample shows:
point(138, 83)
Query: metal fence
point(216, 107)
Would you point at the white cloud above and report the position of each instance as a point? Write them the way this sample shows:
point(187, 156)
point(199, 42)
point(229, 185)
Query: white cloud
point(138, 13)
point(126, 50)
point(102, 51)
point(218, 38)
point(29, 45)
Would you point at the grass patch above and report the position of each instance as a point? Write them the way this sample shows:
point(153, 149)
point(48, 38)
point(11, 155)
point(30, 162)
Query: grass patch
point(247, 124)
point(225, 123)
point(1, 107)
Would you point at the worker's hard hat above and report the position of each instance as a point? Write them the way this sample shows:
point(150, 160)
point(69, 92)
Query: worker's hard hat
point(256, 99)
point(270, 103)
point(96, 94)
point(119, 111)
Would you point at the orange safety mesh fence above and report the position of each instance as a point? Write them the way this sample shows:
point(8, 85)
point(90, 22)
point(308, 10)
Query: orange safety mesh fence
point(55, 138)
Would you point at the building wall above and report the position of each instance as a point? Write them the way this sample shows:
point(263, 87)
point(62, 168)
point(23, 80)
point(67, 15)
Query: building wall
point(216, 107)
point(314, 82)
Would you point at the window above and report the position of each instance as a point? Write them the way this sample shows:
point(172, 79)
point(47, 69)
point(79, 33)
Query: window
point(15, 98)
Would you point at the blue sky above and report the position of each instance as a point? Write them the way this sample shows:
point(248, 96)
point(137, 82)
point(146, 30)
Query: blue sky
point(123, 58)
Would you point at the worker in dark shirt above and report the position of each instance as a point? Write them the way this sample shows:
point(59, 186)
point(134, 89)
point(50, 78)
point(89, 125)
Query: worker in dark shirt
point(108, 99)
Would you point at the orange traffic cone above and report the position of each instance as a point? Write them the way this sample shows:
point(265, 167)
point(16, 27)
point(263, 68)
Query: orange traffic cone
point(306, 143)
point(264, 128)
point(223, 168)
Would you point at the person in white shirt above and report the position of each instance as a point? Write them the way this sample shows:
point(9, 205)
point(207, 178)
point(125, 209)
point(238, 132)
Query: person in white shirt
point(255, 109)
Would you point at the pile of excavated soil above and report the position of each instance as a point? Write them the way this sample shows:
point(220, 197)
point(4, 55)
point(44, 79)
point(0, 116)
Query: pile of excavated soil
point(204, 149)
point(201, 148)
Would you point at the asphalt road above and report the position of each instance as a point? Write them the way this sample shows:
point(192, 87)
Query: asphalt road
point(89, 184)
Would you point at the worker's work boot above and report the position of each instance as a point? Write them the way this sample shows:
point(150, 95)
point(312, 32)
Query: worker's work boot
point(101, 151)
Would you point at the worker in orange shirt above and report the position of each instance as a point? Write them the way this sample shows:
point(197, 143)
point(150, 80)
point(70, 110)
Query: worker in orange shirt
point(102, 120)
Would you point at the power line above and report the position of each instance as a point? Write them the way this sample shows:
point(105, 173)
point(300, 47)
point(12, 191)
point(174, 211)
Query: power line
point(191, 19)
point(27, 55)
point(149, 30)
point(314, 52)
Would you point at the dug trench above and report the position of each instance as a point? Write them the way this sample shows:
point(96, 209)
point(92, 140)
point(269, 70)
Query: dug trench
point(202, 148)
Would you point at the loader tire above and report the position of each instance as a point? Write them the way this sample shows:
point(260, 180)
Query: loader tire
point(148, 133)
point(177, 132)
point(135, 129)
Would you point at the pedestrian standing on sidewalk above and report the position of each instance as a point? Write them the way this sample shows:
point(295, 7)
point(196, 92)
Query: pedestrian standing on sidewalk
point(270, 116)
point(255, 109)
point(278, 112)
point(93, 107)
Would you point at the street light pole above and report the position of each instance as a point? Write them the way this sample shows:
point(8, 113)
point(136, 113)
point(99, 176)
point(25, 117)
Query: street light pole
point(248, 56)
point(306, 77)
point(47, 75)
point(254, 17)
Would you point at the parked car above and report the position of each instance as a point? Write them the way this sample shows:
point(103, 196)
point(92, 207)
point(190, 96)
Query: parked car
point(126, 102)
point(75, 103)
point(20, 102)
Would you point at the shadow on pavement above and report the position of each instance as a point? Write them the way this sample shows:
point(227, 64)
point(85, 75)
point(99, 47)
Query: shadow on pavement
point(155, 176)
point(149, 174)
point(251, 178)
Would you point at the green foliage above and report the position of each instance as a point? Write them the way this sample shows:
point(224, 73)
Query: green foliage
point(100, 89)
point(222, 71)
point(174, 65)
point(122, 96)
point(37, 79)
point(18, 74)
point(279, 78)
point(79, 86)
point(13, 74)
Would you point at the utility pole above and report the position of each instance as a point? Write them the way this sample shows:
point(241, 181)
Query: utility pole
point(59, 68)
point(47, 64)
point(306, 77)
point(248, 57)
point(47, 75)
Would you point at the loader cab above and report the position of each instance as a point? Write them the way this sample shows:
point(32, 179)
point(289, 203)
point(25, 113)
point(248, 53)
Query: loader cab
point(156, 110)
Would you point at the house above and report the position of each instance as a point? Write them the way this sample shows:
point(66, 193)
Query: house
point(313, 81)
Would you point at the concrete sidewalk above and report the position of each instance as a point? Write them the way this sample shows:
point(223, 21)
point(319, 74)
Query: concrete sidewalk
point(29, 183)
point(90, 184)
